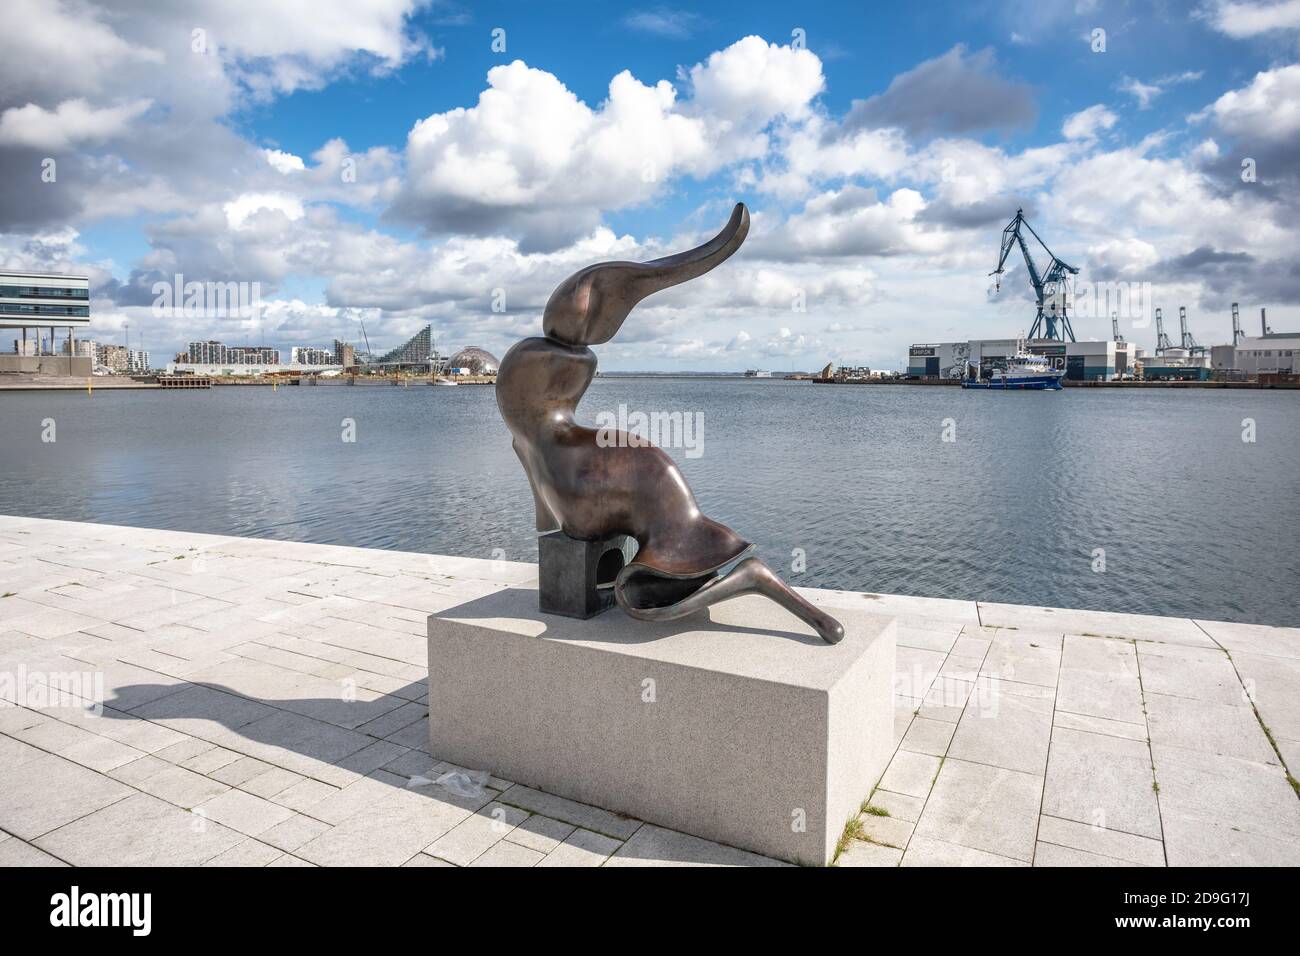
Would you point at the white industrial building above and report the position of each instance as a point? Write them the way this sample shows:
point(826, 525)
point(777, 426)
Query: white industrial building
point(1081, 361)
point(1274, 352)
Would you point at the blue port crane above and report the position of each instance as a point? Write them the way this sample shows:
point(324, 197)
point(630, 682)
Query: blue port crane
point(1051, 320)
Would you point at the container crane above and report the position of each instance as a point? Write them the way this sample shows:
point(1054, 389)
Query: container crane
point(1189, 343)
point(1114, 329)
point(1162, 341)
point(1052, 284)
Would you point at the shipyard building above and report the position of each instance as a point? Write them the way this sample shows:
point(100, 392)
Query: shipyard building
point(1081, 361)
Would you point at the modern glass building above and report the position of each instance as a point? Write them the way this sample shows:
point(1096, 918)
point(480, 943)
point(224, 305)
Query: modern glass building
point(38, 307)
point(416, 351)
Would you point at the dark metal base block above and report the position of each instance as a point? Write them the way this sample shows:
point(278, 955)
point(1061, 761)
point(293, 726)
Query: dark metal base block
point(570, 572)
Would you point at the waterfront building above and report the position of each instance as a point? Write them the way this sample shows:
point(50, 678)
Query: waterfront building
point(344, 354)
point(115, 358)
point(137, 362)
point(309, 355)
point(417, 350)
point(473, 360)
point(38, 306)
point(1081, 361)
point(213, 352)
point(1271, 353)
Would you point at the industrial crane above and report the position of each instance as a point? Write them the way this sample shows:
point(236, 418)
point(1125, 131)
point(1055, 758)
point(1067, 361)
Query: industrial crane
point(1162, 341)
point(1189, 343)
point(1051, 284)
point(1237, 334)
point(1114, 328)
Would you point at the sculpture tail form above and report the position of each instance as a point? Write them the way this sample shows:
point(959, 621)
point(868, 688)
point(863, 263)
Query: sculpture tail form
point(750, 576)
point(589, 307)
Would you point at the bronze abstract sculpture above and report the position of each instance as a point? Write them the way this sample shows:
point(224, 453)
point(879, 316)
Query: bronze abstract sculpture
point(591, 489)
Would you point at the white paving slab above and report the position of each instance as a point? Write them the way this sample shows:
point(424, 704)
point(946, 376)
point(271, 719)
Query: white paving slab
point(281, 686)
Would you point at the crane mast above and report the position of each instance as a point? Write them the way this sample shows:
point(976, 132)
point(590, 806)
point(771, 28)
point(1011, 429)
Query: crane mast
point(1237, 334)
point(1114, 328)
point(1188, 342)
point(1051, 322)
point(1162, 341)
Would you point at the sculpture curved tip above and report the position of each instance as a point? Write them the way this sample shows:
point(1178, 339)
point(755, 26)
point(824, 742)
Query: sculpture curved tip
point(589, 307)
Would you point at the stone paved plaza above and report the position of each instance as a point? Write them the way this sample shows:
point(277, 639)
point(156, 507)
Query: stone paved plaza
point(264, 704)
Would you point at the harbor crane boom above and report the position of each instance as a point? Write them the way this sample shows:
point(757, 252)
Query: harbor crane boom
point(1047, 285)
point(1114, 328)
point(1237, 334)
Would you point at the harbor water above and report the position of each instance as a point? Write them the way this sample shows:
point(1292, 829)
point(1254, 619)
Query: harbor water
point(1163, 502)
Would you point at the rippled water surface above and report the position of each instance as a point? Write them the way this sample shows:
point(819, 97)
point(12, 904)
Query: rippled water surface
point(1192, 520)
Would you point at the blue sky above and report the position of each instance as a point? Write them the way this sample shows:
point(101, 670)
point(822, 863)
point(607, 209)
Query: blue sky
point(880, 147)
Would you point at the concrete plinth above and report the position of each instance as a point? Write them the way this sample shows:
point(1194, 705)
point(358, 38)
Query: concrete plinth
point(740, 726)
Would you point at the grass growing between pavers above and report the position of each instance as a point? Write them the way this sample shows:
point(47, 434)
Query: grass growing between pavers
point(853, 830)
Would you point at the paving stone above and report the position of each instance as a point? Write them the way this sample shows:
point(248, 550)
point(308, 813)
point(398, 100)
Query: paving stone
point(1024, 657)
point(423, 859)
point(42, 794)
point(1099, 678)
point(1254, 638)
point(1049, 854)
point(505, 853)
point(582, 848)
point(139, 769)
point(139, 831)
point(388, 833)
point(1126, 847)
point(540, 833)
point(899, 805)
point(928, 736)
point(910, 773)
point(1004, 730)
point(1223, 796)
point(15, 852)
point(859, 853)
point(211, 760)
point(1102, 780)
point(471, 838)
point(247, 853)
point(239, 771)
point(293, 832)
point(14, 752)
point(183, 750)
point(984, 808)
point(1200, 673)
point(249, 814)
point(303, 795)
point(947, 699)
point(100, 753)
point(570, 811)
point(926, 851)
point(1100, 725)
point(655, 846)
point(1207, 725)
point(289, 860)
point(184, 788)
point(887, 831)
point(272, 782)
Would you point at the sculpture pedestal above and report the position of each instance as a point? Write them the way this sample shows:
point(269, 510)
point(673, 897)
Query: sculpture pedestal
point(742, 727)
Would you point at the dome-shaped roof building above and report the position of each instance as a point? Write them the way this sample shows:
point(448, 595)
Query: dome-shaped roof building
point(474, 360)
